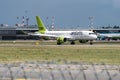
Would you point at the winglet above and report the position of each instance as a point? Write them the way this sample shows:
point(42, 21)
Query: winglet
point(40, 25)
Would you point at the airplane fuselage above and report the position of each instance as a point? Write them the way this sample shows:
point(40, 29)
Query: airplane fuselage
point(73, 35)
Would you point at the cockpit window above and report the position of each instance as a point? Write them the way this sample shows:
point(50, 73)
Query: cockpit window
point(92, 34)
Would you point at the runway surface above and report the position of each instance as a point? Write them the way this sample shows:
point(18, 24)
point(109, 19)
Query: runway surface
point(53, 43)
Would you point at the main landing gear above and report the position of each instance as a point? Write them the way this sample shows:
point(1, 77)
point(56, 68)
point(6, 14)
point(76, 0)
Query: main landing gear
point(58, 43)
point(72, 43)
point(91, 42)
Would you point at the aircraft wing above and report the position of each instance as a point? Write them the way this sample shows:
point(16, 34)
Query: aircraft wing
point(46, 35)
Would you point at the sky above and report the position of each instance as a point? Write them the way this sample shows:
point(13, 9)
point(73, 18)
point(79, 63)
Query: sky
point(66, 13)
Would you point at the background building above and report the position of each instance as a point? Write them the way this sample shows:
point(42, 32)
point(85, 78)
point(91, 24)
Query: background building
point(17, 32)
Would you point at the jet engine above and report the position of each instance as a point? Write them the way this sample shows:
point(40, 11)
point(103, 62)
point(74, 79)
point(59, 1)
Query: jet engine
point(61, 40)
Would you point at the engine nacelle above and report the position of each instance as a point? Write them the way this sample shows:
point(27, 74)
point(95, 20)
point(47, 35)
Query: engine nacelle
point(83, 41)
point(61, 40)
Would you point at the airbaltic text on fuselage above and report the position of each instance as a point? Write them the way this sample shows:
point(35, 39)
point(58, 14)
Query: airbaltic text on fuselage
point(76, 33)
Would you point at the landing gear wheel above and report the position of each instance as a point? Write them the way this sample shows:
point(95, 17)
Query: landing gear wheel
point(58, 43)
point(72, 43)
point(91, 42)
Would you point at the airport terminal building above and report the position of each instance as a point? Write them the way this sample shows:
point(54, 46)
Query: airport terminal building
point(17, 32)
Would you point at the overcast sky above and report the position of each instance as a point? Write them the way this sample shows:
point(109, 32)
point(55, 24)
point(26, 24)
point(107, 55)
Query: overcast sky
point(66, 12)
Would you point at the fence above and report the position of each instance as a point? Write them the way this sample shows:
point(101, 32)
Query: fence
point(61, 71)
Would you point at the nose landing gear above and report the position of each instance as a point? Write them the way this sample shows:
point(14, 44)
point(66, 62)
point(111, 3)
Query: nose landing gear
point(72, 43)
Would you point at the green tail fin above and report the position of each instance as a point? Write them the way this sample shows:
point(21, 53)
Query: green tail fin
point(40, 25)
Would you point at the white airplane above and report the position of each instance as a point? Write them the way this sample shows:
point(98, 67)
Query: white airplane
point(109, 36)
point(63, 36)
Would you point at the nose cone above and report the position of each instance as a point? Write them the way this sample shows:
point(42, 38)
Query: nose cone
point(94, 36)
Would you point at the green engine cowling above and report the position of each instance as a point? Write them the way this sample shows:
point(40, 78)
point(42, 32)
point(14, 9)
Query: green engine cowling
point(61, 40)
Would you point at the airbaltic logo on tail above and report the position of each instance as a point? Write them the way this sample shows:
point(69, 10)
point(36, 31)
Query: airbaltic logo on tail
point(41, 26)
